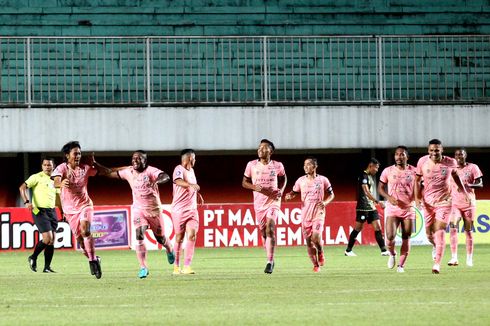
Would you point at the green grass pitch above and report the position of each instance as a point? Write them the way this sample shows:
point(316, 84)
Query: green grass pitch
point(230, 288)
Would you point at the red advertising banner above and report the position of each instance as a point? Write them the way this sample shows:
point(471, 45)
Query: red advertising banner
point(233, 225)
point(221, 225)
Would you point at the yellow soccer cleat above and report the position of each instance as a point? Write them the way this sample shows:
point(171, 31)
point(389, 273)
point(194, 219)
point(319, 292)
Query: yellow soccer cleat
point(188, 270)
point(176, 271)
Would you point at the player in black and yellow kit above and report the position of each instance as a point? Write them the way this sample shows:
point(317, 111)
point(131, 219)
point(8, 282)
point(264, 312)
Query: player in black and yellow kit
point(366, 208)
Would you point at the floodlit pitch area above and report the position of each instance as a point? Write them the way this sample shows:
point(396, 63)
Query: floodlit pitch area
point(231, 288)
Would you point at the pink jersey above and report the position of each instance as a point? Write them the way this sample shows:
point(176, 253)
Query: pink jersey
point(312, 192)
point(144, 186)
point(184, 199)
point(468, 174)
point(74, 198)
point(437, 180)
point(400, 184)
point(266, 177)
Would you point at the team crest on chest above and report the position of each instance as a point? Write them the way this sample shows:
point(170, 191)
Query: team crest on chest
point(272, 173)
point(443, 171)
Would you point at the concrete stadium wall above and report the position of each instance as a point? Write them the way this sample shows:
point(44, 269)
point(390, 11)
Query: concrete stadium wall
point(242, 17)
point(240, 128)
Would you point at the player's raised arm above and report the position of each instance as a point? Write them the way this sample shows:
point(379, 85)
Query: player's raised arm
point(163, 178)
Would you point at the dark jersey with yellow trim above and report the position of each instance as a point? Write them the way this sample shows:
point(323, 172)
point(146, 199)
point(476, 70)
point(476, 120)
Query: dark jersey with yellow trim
point(363, 202)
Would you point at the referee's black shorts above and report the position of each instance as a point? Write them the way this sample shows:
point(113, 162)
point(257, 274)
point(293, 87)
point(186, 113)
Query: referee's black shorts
point(367, 216)
point(46, 220)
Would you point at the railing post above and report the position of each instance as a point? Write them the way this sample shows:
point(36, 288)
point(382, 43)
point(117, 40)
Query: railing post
point(265, 77)
point(29, 81)
point(380, 70)
point(148, 73)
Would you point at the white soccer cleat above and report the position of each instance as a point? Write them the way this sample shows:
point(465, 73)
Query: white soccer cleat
point(385, 253)
point(350, 253)
point(453, 262)
point(400, 269)
point(436, 269)
point(391, 261)
point(469, 261)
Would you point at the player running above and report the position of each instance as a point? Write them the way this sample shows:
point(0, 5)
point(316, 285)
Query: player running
point(472, 178)
point(78, 209)
point(397, 187)
point(366, 208)
point(184, 209)
point(145, 211)
point(313, 188)
point(267, 179)
point(436, 171)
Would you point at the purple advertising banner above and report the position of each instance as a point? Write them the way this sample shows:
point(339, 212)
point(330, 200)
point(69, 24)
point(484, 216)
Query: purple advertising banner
point(110, 228)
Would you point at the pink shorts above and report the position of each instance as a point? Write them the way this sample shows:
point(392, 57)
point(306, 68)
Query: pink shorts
point(433, 213)
point(154, 221)
point(401, 213)
point(310, 227)
point(262, 217)
point(467, 213)
point(183, 220)
point(85, 214)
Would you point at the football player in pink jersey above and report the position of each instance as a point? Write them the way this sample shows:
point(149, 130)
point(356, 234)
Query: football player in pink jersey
point(267, 179)
point(72, 177)
point(397, 187)
point(436, 171)
point(185, 217)
point(145, 211)
point(313, 188)
point(472, 178)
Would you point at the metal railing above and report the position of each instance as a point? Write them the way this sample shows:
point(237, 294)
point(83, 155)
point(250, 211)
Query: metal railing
point(266, 70)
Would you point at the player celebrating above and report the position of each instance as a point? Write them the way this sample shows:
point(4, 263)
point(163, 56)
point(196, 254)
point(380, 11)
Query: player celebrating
point(436, 171)
point(399, 179)
point(184, 209)
point(471, 177)
point(313, 188)
point(145, 211)
point(267, 179)
point(366, 209)
point(43, 211)
point(72, 177)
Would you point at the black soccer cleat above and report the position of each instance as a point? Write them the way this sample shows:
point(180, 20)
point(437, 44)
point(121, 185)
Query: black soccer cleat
point(48, 270)
point(32, 263)
point(269, 268)
point(97, 269)
point(92, 268)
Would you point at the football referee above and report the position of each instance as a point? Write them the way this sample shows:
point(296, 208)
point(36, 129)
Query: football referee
point(42, 207)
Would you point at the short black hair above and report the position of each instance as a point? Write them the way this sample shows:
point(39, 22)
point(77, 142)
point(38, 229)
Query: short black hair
point(46, 158)
point(373, 160)
point(405, 148)
point(140, 151)
point(313, 159)
point(435, 141)
point(66, 149)
point(268, 142)
point(187, 151)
